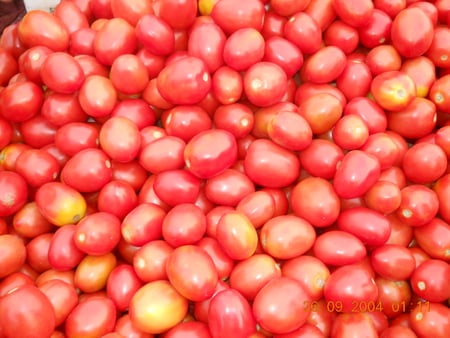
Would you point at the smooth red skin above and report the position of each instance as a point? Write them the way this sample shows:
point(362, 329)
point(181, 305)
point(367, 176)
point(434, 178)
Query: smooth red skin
point(192, 272)
point(434, 274)
point(165, 153)
point(117, 198)
point(28, 222)
point(174, 187)
point(290, 130)
point(223, 263)
point(429, 161)
point(62, 296)
point(206, 41)
point(303, 32)
point(136, 110)
point(354, 81)
point(398, 331)
point(377, 30)
point(430, 322)
point(122, 284)
point(411, 43)
point(276, 311)
point(82, 42)
point(14, 254)
point(243, 48)
point(132, 173)
point(60, 109)
point(258, 206)
point(123, 35)
point(6, 132)
point(236, 118)
point(230, 315)
point(87, 171)
point(284, 53)
point(356, 174)
point(264, 162)
point(315, 200)
point(37, 252)
point(73, 137)
point(91, 66)
point(189, 73)
point(383, 58)
point(433, 238)
point(13, 193)
point(186, 121)
point(21, 101)
point(190, 329)
point(353, 325)
point(441, 188)
point(155, 35)
point(325, 65)
point(320, 158)
point(438, 47)
point(37, 132)
point(341, 35)
point(306, 330)
point(147, 194)
point(97, 96)
point(339, 248)
point(37, 167)
point(227, 86)
point(143, 224)
point(201, 309)
point(125, 327)
point(63, 254)
point(393, 262)
point(233, 15)
point(442, 139)
point(19, 310)
point(349, 284)
point(13, 281)
point(149, 261)
point(8, 65)
point(94, 316)
point(392, 8)
point(355, 13)
point(439, 93)
point(371, 113)
point(128, 74)
point(273, 25)
point(288, 7)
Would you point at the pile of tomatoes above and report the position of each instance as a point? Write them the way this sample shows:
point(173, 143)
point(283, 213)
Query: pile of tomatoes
point(226, 168)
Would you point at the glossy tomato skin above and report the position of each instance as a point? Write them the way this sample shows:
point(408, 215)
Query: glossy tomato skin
point(355, 13)
point(265, 161)
point(160, 43)
point(97, 96)
point(28, 222)
point(189, 73)
point(371, 113)
point(63, 254)
point(320, 158)
point(43, 28)
point(94, 316)
point(348, 285)
point(284, 53)
point(377, 30)
point(411, 43)
point(13, 192)
point(304, 32)
point(325, 65)
point(429, 280)
point(186, 121)
point(19, 310)
point(129, 74)
point(37, 167)
point(230, 315)
point(353, 325)
point(354, 81)
point(393, 262)
point(434, 321)
point(339, 248)
point(271, 309)
point(14, 254)
point(433, 238)
point(122, 284)
point(356, 174)
point(21, 101)
point(369, 226)
point(290, 130)
point(60, 109)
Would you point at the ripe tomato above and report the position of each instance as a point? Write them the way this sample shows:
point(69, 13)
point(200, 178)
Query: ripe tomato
point(284, 53)
point(37, 167)
point(439, 93)
point(304, 32)
point(157, 307)
point(279, 307)
point(320, 158)
point(339, 248)
point(243, 48)
point(91, 275)
point(342, 35)
point(186, 121)
point(21, 101)
point(353, 325)
point(95, 316)
point(117, 198)
point(128, 74)
point(433, 238)
point(354, 13)
point(325, 65)
point(63, 254)
point(290, 130)
point(121, 286)
point(426, 320)
point(13, 254)
point(27, 312)
point(429, 280)
point(419, 205)
point(13, 193)
point(233, 15)
point(28, 222)
point(393, 262)
point(349, 285)
point(422, 70)
point(258, 206)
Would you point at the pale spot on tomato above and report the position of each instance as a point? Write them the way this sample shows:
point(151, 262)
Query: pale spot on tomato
point(81, 237)
point(421, 285)
point(407, 213)
point(444, 57)
point(35, 56)
point(205, 77)
point(419, 316)
point(382, 40)
point(76, 218)
point(108, 164)
point(140, 263)
point(8, 199)
point(55, 175)
point(438, 98)
point(244, 122)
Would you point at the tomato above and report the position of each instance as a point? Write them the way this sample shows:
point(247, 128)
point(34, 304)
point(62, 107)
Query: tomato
point(265, 161)
point(130, 10)
point(37, 252)
point(44, 29)
point(28, 222)
point(233, 15)
point(95, 316)
point(377, 30)
point(21, 101)
point(117, 198)
point(143, 224)
point(131, 172)
point(397, 331)
point(177, 186)
point(189, 73)
point(97, 96)
point(283, 53)
point(122, 284)
point(429, 280)
point(128, 74)
point(279, 307)
point(290, 130)
point(82, 42)
point(384, 197)
point(236, 118)
point(126, 328)
point(13, 254)
point(91, 275)
point(37, 167)
point(339, 248)
point(227, 86)
point(230, 314)
point(265, 83)
point(243, 48)
point(422, 70)
point(411, 43)
point(304, 32)
point(419, 205)
point(73, 137)
point(394, 297)
point(354, 13)
point(342, 35)
point(186, 121)
point(432, 238)
point(26, 311)
point(320, 158)
point(325, 65)
point(393, 262)
point(63, 254)
point(438, 93)
point(349, 285)
point(315, 200)
point(258, 206)
point(237, 235)
point(120, 32)
point(356, 174)
point(354, 81)
point(157, 307)
point(429, 163)
point(91, 66)
point(430, 319)
point(13, 193)
point(61, 109)
point(371, 113)
point(353, 325)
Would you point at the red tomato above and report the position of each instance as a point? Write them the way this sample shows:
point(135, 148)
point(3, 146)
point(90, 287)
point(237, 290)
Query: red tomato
point(377, 30)
point(325, 65)
point(117, 198)
point(95, 316)
point(13, 193)
point(21, 101)
point(290, 130)
point(243, 48)
point(393, 262)
point(398, 331)
point(341, 35)
point(265, 161)
point(97, 96)
point(430, 318)
point(422, 71)
point(350, 132)
point(258, 206)
point(315, 200)
point(91, 275)
point(265, 83)
point(354, 13)
point(353, 325)
point(82, 42)
point(114, 38)
point(384, 197)
point(37, 167)
point(28, 222)
point(227, 87)
point(186, 121)
point(233, 15)
point(439, 93)
point(230, 315)
point(411, 42)
point(383, 58)
point(126, 328)
point(279, 307)
point(283, 53)
point(63, 254)
point(61, 109)
point(131, 11)
point(223, 263)
point(87, 171)
point(27, 312)
point(354, 81)
point(339, 248)
point(43, 29)
point(304, 32)
point(236, 118)
point(433, 238)
point(73, 137)
point(157, 307)
point(371, 113)
point(429, 280)
point(128, 74)
point(356, 174)
point(320, 158)
point(122, 284)
point(37, 252)
point(13, 254)
point(348, 287)
point(176, 187)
